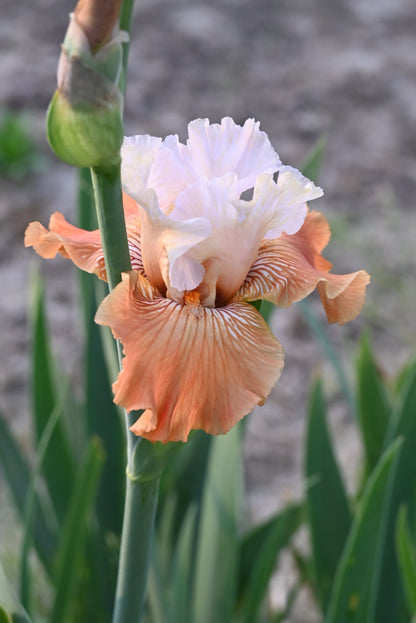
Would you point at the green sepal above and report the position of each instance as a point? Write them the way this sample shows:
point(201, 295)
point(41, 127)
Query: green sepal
point(84, 120)
point(149, 459)
point(85, 134)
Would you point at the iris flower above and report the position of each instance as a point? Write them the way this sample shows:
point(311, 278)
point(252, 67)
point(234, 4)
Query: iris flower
point(210, 228)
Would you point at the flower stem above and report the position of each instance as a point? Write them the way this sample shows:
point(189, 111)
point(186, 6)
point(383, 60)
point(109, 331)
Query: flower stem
point(145, 461)
point(109, 205)
point(125, 21)
point(137, 535)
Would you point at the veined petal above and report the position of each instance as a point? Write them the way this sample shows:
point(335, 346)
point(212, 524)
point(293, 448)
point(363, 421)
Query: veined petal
point(229, 251)
point(239, 226)
point(189, 367)
point(164, 245)
point(291, 267)
point(81, 246)
point(213, 150)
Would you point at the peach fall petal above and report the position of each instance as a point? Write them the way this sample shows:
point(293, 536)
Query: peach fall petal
point(289, 268)
point(84, 247)
point(81, 246)
point(190, 367)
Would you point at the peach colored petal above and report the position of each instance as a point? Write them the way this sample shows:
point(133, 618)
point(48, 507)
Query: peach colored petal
point(188, 366)
point(289, 268)
point(81, 246)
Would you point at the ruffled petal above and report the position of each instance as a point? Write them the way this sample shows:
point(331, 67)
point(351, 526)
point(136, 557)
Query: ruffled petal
point(148, 163)
point(213, 150)
point(239, 226)
point(291, 267)
point(81, 246)
point(165, 243)
point(84, 247)
point(227, 253)
point(189, 367)
point(285, 200)
point(137, 156)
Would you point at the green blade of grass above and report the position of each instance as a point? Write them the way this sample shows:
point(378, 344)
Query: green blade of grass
point(32, 499)
point(103, 417)
point(406, 554)
point(374, 406)
point(182, 568)
point(11, 611)
point(104, 420)
point(329, 351)
point(311, 167)
point(186, 476)
point(58, 467)
point(356, 586)
point(328, 510)
point(18, 475)
point(258, 555)
point(74, 533)
point(391, 603)
point(216, 559)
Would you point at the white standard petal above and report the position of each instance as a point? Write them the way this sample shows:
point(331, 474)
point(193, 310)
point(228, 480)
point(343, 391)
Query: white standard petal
point(165, 243)
point(285, 201)
point(148, 163)
point(137, 156)
point(229, 251)
point(213, 150)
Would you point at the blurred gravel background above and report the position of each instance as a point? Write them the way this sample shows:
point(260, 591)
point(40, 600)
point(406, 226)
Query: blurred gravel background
point(345, 70)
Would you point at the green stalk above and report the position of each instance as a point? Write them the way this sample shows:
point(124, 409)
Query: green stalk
point(137, 535)
point(109, 206)
point(145, 460)
point(124, 22)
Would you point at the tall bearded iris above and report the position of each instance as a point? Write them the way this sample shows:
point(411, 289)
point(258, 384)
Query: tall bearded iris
point(197, 355)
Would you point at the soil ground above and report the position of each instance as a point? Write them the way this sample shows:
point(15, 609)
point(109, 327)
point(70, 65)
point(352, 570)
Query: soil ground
point(342, 69)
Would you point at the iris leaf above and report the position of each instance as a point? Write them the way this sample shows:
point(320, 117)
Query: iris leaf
point(356, 585)
point(406, 554)
point(58, 467)
point(11, 611)
point(18, 475)
point(217, 546)
point(374, 406)
point(74, 533)
point(329, 513)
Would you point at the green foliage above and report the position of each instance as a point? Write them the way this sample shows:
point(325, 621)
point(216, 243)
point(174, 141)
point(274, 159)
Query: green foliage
point(259, 551)
point(18, 155)
point(406, 555)
point(356, 585)
point(203, 568)
point(11, 611)
point(74, 533)
point(374, 406)
point(329, 514)
point(369, 578)
point(71, 509)
point(58, 464)
point(313, 162)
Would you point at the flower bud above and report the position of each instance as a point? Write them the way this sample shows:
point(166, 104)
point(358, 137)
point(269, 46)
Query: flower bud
point(84, 120)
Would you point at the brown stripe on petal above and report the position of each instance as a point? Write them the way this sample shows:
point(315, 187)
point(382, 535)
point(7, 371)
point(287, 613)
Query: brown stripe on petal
point(188, 371)
point(289, 268)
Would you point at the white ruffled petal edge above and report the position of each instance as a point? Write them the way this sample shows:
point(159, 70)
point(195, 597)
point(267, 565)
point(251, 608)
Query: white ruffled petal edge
point(286, 200)
point(214, 150)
